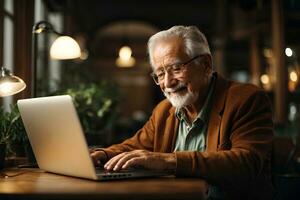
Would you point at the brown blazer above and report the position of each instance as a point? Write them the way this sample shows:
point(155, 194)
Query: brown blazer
point(239, 138)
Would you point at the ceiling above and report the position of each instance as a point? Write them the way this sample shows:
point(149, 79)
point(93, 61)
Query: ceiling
point(92, 14)
point(231, 20)
point(212, 16)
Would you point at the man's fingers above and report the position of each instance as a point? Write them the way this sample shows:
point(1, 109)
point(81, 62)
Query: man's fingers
point(123, 160)
point(136, 161)
point(97, 156)
point(117, 162)
point(112, 162)
point(146, 159)
point(95, 159)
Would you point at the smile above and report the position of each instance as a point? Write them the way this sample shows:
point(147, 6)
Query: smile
point(179, 90)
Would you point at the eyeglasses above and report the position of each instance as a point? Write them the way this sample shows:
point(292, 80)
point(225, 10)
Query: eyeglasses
point(175, 69)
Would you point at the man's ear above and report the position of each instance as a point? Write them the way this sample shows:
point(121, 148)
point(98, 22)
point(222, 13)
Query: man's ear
point(207, 62)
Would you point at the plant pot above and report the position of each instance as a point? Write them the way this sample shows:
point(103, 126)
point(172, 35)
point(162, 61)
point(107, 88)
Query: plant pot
point(2, 155)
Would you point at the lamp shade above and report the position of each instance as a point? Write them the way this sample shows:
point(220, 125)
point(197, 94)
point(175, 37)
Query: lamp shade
point(10, 84)
point(65, 47)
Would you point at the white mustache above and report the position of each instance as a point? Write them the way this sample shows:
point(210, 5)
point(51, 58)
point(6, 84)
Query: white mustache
point(174, 89)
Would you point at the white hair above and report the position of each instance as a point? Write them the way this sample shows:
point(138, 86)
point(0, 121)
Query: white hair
point(194, 40)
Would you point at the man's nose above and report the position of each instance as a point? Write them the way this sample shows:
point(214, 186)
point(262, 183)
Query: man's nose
point(169, 80)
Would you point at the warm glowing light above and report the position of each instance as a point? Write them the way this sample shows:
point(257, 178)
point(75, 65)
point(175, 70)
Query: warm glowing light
point(65, 47)
point(265, 79)
point(293, 76)
point(267, 53)
point(39, 30)
point(10, 84)
point(5, 88)
point(10, 88)
point(125, 53)
point(288, 52)
point(125, 59)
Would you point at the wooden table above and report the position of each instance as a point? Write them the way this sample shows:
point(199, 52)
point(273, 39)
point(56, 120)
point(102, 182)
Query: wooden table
point(36, 184)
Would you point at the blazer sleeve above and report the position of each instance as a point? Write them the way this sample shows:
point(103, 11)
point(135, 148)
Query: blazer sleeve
point(247, 151)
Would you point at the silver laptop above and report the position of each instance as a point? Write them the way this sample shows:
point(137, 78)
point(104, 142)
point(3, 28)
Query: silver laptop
point(58, 141)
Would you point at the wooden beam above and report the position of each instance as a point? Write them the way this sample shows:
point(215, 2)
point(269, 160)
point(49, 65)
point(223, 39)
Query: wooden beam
point(280, 90)
point(255, 67)
point(24, 15)
point(220, 38)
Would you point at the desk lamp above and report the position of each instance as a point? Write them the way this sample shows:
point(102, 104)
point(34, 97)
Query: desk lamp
point(63, 48)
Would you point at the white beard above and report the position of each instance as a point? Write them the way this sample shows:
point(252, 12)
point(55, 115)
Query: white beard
point(180, 100)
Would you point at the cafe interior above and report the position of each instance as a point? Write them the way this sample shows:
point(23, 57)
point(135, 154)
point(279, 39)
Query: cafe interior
point(96, 51)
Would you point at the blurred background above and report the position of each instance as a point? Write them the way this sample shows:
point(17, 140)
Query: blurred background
point(252, 41)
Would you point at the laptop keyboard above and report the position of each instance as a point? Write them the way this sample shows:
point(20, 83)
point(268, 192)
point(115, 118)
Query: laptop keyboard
point(128, 173)
point(112, 174)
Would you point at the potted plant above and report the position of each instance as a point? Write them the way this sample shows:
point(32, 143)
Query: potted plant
point(12, 133)
point(96, 105)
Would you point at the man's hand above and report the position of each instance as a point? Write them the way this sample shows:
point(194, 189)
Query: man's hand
point(98, 157)
point(142, 158)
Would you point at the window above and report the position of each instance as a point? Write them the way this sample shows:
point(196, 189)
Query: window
point(7, 40)
point(16, 20)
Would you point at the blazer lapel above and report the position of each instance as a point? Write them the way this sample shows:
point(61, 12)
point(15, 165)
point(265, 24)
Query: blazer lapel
point(219, 97)
point(173, 120)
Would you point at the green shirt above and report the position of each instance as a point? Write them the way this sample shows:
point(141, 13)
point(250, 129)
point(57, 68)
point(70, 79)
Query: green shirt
point(191, 137)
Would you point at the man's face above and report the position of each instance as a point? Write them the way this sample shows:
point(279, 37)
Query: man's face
point(183, 88)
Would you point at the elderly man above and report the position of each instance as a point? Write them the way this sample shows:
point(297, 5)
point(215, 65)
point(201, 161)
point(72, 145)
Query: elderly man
point(208, 127)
